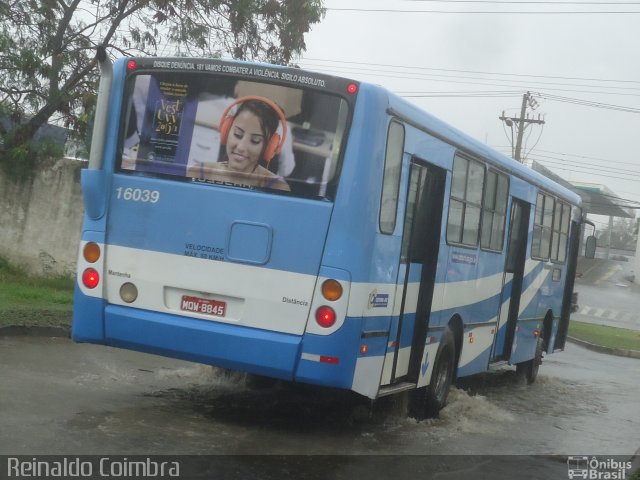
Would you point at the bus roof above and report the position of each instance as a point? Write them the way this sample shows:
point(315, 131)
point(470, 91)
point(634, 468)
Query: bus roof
point(398, 106)
point(428, 123)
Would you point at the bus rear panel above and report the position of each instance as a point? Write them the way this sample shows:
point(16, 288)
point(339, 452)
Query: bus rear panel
point(202, 262)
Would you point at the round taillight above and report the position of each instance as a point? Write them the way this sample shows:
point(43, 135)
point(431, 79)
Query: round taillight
point(91, 252)
point(90, 278)
point(331, 290)
point(325, 316)
point(352, 88)
point(131, 65)
point(128, 292)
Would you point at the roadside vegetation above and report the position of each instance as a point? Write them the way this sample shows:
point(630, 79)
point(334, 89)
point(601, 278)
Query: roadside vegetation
point(26, 300)
point(611, 337)
point(33, 301)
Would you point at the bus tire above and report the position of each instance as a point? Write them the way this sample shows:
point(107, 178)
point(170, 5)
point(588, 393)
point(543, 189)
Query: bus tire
point(259, 382)
point(431, 399)
point(529, 369)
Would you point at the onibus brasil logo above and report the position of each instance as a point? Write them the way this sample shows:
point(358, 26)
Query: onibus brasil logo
point(597, 469)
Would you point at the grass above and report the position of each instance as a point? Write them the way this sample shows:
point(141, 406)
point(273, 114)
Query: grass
point(34, 301)
point(606, 336)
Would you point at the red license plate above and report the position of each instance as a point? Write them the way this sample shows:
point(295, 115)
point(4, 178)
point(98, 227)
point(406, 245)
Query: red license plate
point(203, 305)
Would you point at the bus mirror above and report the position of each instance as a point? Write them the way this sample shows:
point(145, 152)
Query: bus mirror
point(590, 247)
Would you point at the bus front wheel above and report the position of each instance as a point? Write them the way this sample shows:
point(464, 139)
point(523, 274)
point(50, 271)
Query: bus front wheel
point(429, 400)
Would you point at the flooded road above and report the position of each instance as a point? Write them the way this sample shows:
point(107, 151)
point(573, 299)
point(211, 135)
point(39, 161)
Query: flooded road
point(57, 397)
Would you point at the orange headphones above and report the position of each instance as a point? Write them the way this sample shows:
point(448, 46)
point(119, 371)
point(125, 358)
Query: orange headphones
point(273, 144)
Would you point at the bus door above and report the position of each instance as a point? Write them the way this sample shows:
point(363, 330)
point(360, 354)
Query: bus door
point(512, 280)
point(418, 263)
point(563, 327)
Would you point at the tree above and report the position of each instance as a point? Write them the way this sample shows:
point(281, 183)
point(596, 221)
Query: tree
point(47, 48)
point(622, 234)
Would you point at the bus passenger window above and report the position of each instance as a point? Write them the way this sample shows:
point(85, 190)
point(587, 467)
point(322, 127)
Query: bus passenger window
point(463, 224)
point(494, 207)
point(391, 180)
point(560, 232)
point(543, 226)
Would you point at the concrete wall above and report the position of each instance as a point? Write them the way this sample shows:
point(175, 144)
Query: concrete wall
point(41, 219)
point(636, 270)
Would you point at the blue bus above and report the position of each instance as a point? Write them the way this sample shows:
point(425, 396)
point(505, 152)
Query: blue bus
point(315, 229)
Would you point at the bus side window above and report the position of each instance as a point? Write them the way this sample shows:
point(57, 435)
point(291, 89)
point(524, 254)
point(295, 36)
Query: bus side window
point(391, 180)
point(543, 226)
point(463, 224)
point(560, 232)
point(494, 208)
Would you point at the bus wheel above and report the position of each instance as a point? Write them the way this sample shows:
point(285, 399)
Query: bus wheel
point(259, 382)
point(529, 369)
point(428, 401)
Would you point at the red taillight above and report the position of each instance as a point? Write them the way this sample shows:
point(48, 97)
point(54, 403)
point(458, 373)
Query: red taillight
point(325, 316)
point(131, 65)
point(331, 360)
point(90, 278)
point(352, 88)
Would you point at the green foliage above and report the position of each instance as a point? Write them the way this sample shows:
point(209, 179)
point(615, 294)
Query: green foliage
point(47, 48)
point(16, 274)
point(8, 271)
point(611, 337)
point(19, 161)
point(28, 300)
point(622, 234)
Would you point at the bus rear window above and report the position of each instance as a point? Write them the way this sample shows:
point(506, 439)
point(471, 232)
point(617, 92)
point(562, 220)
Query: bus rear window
point(233, 132)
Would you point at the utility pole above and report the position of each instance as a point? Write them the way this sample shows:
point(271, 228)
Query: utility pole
point(522, 122)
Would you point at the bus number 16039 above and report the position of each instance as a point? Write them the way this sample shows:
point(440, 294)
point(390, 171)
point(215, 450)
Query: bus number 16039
point(137, 195)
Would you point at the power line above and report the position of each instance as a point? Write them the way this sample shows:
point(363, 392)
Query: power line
point(587, 157)
point(526, 2)
point(574, 163)
point(587, 103)
point(472, 71)
point(487, 94)
point(576, 168)
point(448, 80)
point(573, 170)
point(579, 164)
point(489, 82)
point(540, 94)
point(490, 12)
point(607, 160)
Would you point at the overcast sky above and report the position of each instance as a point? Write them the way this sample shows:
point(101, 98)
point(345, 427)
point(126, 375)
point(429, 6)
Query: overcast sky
point(591, 58)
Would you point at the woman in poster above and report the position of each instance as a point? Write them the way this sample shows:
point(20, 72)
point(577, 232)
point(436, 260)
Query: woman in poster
point(247, 136)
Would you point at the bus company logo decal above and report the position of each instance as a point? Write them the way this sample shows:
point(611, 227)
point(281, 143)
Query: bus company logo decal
point(597, 469)
point(378, 300)
point(462, 257)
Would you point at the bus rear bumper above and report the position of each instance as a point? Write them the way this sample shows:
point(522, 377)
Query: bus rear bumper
point(262, 352)
point(88, 318)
